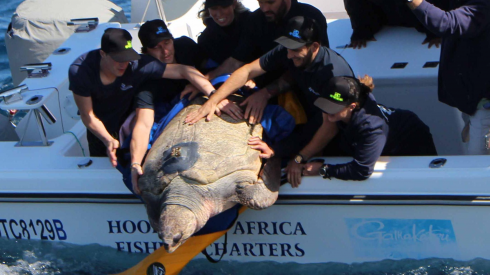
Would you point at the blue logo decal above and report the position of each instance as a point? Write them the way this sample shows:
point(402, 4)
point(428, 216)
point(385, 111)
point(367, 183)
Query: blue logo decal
point(125, 87)
point(295, 34)
point(313, 91)
point(400, 239)
point(161, 30)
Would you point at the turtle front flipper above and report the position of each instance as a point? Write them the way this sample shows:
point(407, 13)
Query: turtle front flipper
point(264, 192)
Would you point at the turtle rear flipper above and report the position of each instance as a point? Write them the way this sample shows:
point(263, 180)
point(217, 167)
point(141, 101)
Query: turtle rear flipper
point(264, 192)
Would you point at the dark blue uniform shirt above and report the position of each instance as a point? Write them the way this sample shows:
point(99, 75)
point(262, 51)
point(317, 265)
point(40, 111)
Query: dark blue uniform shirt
point(375, 130)
point(465, 54)
point(111, 103)
point(326, 64)
point(162, 91)
point(218, 43)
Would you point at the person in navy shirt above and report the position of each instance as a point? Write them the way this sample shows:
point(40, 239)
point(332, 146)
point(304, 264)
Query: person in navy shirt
point(367, 129)
point(367, 17)
point(154, 98)
point(225, 22)
point(263, 26)
point(309, 66)
point(104, 82)
point(465, 61)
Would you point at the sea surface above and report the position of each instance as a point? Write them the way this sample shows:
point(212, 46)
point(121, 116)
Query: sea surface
point(41, 257)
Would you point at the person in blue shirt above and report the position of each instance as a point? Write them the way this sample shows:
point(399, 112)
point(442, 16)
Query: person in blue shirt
point(368, 129)
point(465, 61)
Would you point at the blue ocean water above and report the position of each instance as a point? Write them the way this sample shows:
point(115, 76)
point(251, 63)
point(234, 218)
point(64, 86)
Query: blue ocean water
point(41, 257)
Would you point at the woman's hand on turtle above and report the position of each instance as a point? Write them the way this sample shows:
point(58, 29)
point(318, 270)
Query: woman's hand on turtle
point(231, 109)
point(207, 110)
point(190, 89)
point(312, 168)
point(136, 172)
point(258, 144)
point(294, 171)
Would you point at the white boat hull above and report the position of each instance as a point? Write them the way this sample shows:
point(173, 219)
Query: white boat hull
point(317, 229)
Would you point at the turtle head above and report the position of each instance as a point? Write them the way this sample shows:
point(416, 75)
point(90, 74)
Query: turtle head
point(176, 225)
point(173, 223)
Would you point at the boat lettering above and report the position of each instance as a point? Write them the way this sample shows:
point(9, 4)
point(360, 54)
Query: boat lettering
point(268, 228)
point(130, 227)
point(138, 247)
point(402, 238)
point(27, 229)
point(379, 233)
point(256, 250)
point(280, 249)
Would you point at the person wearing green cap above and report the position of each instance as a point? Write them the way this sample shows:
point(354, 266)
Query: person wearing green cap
point(368, 129)
point(104, 82)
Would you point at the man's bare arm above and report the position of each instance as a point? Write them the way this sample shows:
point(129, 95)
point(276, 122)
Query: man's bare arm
point(235, 82)
point(281, 85)
point(96, 126)
point(196, 78)
point(322, 137)
point(229, 66)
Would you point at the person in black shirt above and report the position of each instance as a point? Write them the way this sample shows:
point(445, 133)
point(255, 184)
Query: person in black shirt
point(153, 101)
point(309, 66)
point(225, 21)
point(367, 129)
point(369, 16)
point(263, 26)
point(104, 82)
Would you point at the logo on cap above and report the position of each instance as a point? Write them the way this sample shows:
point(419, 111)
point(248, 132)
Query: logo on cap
point(295, 34)
point(161, 30)
point(337, 97)
point(129, 45)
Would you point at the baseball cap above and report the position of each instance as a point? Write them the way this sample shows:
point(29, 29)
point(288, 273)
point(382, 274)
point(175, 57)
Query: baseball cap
point(337, 95)
point(117, 43)
point(213, 3)
point(299, 32)
point(152, 32)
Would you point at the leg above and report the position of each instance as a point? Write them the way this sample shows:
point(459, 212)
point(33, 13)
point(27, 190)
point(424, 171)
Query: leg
point(264, 192)
point(479, 127)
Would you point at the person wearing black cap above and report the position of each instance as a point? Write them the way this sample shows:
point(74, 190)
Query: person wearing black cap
point(264, 25)
point(155, 97)
point(104, 82)
point(225, 21)
point(367, 129)
point(309, 65)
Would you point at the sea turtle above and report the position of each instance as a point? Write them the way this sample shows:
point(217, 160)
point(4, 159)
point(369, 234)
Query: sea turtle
point(194, 172)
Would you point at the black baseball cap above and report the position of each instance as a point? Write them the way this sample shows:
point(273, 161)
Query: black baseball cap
point(213, 3)
point(117, 43)
point(152, 32)
point(337, 95)
point(299, 32)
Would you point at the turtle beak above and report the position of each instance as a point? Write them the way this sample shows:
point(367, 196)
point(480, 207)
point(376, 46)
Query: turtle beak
point(177, 224)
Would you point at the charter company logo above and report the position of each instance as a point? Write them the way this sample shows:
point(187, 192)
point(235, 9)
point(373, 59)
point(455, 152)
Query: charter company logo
point(129, 45)
point(295, 34)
